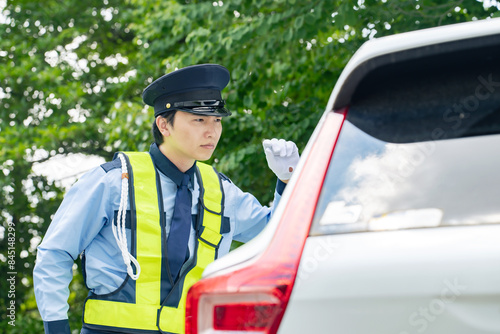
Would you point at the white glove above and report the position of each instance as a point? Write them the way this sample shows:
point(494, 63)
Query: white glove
point(282, 157)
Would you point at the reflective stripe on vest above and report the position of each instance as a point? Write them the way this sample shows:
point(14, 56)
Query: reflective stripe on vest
point(143, 314)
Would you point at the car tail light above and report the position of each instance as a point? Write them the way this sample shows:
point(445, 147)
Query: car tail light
point(254, 298)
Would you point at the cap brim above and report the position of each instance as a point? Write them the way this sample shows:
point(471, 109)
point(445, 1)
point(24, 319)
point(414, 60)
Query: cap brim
point(208, 111)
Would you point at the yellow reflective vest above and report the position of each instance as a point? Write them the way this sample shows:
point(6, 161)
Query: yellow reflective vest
point(138, 306)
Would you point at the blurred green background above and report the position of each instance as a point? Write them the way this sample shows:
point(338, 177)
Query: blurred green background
point(72, 73)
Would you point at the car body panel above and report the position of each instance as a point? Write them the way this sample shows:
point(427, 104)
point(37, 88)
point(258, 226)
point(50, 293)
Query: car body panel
point(438, 280)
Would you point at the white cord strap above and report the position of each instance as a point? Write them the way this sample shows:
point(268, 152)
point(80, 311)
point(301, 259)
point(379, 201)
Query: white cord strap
point(119, 230)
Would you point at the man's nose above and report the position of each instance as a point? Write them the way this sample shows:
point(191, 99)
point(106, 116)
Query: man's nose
point(211, 129)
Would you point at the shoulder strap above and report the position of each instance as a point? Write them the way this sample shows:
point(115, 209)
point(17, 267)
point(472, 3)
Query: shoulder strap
point(212, 203)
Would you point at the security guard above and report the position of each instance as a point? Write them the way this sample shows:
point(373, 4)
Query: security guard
point(147, 223)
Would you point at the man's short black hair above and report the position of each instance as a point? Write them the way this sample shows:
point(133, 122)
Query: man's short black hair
point(169, 116)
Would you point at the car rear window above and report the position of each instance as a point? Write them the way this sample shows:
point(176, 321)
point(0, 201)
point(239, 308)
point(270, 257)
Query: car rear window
point(420, 146)
point(374, 185)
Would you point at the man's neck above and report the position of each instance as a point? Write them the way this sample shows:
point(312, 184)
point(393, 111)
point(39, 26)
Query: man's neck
point(182, 164)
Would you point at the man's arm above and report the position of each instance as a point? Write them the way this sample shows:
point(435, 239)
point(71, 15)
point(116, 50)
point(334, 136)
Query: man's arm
point(77, 221)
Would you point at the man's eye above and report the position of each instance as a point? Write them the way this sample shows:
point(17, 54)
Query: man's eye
point(218, 120)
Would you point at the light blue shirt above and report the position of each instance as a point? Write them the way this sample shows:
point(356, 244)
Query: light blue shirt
point(84, 220)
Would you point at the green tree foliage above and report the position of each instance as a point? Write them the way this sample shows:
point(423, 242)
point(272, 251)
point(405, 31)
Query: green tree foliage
point(72, 73)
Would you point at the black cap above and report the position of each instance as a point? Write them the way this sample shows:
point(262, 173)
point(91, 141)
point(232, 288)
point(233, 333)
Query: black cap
point(195, 89)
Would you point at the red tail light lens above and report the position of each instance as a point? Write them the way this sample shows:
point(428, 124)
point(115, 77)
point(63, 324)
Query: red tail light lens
point(245, 316)
point(212, 309)
point(254, 298)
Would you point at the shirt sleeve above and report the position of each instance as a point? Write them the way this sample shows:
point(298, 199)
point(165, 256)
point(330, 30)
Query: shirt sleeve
point(248, 214)
point(78, 220)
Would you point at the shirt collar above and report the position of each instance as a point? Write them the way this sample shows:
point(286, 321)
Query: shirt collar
point(164, 165)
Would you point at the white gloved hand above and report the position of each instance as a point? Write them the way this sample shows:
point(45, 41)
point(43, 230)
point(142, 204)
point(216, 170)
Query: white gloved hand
point(282, 157)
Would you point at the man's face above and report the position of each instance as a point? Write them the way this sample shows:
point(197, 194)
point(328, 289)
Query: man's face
point(192, 137)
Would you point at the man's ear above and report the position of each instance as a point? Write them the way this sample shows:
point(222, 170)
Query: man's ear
point(162, 125)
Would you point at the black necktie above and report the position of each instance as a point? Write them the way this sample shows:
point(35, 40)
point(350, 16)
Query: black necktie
point(178, 237)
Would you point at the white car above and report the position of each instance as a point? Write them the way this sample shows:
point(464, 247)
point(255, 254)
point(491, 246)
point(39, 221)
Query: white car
point(390, 224)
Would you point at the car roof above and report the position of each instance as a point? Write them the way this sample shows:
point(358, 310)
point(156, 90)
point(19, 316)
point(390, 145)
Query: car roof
point(404, 47)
